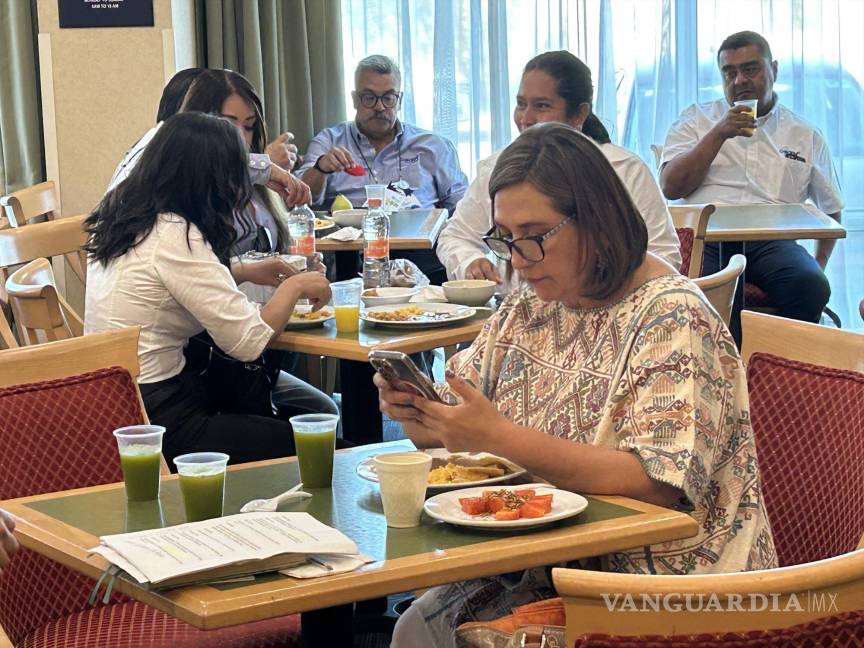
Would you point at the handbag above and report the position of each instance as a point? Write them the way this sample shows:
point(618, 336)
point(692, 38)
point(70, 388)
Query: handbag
point(233, 386)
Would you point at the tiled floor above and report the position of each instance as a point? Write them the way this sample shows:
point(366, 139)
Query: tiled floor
point(846, 272)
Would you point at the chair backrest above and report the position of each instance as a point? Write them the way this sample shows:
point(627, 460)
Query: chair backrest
point(719, 288)
point(39, 200)
point(55, 434)
point(63, 236)
point(40, 312)
point(691, 223)
point(819, 600)
point(806, 386)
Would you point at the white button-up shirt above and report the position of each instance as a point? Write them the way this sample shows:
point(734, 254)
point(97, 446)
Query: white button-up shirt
point(460, 242)
point(786, 160)
point(173, 288)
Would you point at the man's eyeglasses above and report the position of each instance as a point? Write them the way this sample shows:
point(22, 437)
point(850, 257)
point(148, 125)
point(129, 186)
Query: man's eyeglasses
point(388, 99)
point(529, 248)
point(749, 70)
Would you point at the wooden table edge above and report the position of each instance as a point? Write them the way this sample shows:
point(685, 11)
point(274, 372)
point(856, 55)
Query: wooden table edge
point(198, 607)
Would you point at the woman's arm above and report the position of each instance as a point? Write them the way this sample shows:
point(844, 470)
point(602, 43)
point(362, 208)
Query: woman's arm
point(476, 425)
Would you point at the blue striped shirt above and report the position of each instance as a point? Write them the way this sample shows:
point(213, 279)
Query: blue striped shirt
point(427, 162)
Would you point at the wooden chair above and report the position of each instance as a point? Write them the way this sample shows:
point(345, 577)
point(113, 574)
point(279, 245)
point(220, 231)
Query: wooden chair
point(800, 606)
point(691, 222)
point(59, 403)
point(21, 207)
point(719, 288)
point(806, 385)
point(20, 245)
point(42, 315)
point(7, 338)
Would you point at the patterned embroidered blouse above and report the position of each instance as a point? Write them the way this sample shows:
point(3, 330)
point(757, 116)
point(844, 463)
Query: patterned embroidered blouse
point(657, 374)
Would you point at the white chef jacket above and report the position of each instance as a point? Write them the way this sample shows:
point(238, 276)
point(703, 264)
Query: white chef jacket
point(460, 242)
point(786, 160)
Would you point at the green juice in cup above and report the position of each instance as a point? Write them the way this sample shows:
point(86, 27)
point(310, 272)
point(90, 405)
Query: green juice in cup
point(202, 482)
point(203, 495)
point(315, 440)
point(140, 472)
point(140, 449)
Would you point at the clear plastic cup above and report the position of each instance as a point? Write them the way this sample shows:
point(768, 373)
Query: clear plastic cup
point(403, 478)
point(346, 304)
point(375, 195)
point(752, 105)
point(315, 441)
point(140, 448)
point(202, 482)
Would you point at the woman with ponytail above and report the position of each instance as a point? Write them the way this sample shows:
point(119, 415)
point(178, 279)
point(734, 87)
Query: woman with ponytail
point(556, 87)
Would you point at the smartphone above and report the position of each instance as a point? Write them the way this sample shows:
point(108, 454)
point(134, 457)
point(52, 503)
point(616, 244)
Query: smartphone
point(401, 372)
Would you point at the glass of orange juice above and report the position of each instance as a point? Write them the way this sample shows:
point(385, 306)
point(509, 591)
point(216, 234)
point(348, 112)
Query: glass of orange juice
point(346, 303)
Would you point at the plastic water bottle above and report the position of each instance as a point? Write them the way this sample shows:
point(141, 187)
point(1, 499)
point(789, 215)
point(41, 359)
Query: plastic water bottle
point(301, 229)
point(376, 239)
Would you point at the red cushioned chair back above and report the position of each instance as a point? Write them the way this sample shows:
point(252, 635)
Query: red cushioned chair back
point(808, 422)
point(54, 436)
point(844, 630)
point(685, 238)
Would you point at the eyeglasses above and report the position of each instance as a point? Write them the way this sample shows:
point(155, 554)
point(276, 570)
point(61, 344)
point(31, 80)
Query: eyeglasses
point(749, 70)
point(529, 248)
point(388, 99)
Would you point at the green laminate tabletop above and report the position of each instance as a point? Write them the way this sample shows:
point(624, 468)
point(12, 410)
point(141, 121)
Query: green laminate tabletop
point(63, 526)
point(353, 506)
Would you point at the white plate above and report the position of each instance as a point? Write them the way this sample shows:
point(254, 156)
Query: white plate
point(324, 224)
point(455, 312)
point(445, 507)
point(366, 470)
point(297, 323)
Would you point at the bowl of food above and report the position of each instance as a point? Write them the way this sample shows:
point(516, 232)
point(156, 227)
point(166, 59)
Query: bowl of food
point(387, 296)
point(470, 292)
point(349, 217)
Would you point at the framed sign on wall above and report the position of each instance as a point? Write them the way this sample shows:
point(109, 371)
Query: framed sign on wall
point(105, 13)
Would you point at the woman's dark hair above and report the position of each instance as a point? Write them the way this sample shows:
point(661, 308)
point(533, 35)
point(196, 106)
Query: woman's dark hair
point(208, 93)
point(574, 87)
point(562, 163)
point(196, 167)
point(175, 91)
point(211, 88)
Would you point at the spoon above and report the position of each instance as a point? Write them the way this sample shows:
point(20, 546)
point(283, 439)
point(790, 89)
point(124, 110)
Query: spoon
point(270, 505)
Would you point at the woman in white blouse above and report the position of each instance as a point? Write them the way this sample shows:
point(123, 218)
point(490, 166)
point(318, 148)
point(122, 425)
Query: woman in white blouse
point(159, 252)
point(556, 87)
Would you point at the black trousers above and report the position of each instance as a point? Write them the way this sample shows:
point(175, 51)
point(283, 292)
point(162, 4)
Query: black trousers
point(783, 269)
point(180, 405)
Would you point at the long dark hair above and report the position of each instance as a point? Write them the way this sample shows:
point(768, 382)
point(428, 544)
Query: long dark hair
point(574, 86)
point(563, 164)
point(208, 94)
point(196, 167)
point(175, 91)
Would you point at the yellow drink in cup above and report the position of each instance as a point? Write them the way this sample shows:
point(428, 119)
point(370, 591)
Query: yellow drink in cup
point(752, 105)
point(140, 448)
point(202, 482)
point(347, 319)
point(346, 301)
point(315, 441)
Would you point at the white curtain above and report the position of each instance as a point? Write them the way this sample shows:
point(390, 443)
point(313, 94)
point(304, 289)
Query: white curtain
point(462, 60)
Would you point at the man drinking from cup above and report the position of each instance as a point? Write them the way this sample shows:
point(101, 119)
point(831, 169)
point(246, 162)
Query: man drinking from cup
point(718, 152)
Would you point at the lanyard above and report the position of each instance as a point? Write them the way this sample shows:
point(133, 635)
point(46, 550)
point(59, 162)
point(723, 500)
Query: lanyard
point(366, 162)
